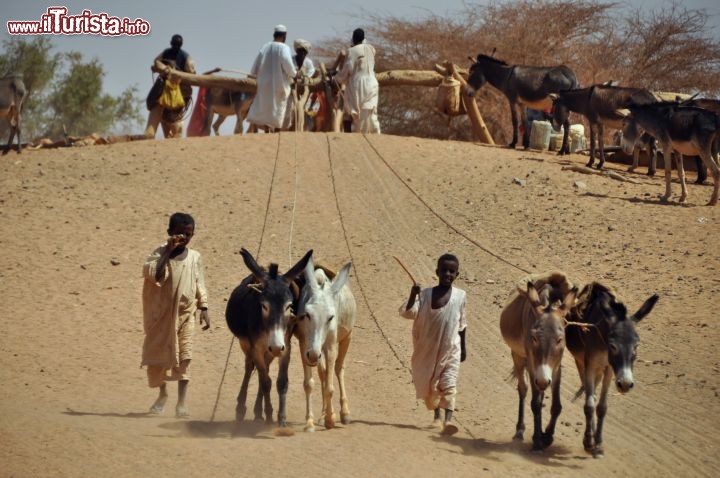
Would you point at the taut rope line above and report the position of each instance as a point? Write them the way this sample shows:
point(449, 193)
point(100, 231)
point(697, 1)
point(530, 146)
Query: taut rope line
point(357, 275)
point(262, 236)
point(441, 218)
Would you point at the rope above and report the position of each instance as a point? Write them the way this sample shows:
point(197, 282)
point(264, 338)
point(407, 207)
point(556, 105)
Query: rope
point(436, 214)
point(292, 217)
point(262, 236)
point(357, 275)
point(441, 218)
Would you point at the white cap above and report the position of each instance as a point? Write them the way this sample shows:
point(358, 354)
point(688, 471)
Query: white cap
point(280, 29)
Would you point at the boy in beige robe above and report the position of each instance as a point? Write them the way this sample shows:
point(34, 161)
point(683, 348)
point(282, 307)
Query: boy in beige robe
point(173, 290)
point(439, 325)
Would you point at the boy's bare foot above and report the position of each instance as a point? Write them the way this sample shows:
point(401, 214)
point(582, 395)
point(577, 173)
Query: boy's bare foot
point(181, 411)
point(449, 430)
point(159, 405)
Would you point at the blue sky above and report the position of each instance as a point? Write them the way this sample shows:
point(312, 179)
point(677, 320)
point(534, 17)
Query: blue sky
point(228, 34)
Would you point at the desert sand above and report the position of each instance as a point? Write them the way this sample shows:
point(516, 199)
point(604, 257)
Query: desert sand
point(79, 222)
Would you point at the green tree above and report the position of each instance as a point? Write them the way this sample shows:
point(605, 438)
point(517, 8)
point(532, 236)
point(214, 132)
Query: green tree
point(65, 92)
point(79, 105)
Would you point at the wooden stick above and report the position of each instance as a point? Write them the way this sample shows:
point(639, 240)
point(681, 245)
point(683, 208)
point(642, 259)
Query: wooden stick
point(249, 75)
point(582, 325)
point(406, 270)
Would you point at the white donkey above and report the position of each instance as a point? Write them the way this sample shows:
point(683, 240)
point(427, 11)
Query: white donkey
point(325, 319)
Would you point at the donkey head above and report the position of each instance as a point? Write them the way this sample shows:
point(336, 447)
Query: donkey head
point(560, 111)
point(317, 316)
point(476, 76)
point(484, 68)
point(622, 338)
point(545, 340)
point(630, 129)
point(275, 298)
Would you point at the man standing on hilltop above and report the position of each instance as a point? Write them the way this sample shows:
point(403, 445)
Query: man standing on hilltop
point(361, 86)
point(170, 116)
point(274, 70)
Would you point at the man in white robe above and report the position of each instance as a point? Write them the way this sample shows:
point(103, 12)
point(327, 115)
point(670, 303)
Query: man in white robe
point(361, 86)
point(274, 71)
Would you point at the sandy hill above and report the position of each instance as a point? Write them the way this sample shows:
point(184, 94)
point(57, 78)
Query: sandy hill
point(79, 222)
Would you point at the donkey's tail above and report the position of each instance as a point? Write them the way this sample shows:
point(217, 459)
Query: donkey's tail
point(512, 376)
point(578, 394)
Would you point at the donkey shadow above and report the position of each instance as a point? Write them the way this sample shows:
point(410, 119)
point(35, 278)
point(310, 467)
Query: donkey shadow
point(225, 429)
point(557, 456)
point(199, 428)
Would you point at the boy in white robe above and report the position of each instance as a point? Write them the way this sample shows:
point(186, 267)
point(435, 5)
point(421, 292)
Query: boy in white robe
point(173, 290)
point(438, 340)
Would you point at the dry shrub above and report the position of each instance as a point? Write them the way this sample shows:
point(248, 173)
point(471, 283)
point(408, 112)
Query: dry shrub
point(666, 51)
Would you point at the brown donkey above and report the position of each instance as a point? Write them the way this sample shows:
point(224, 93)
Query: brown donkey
point(533, 326)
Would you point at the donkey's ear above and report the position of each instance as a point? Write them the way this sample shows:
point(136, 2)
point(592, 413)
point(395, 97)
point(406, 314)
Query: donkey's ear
point(645, 309)
point(252, 265)
point(569, 301)
point(297, 269)
point(310, 279)
point(341, 278)
point(532, 294)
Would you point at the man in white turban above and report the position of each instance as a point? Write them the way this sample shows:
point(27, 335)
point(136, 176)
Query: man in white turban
point(274, 71)
point(305, 68)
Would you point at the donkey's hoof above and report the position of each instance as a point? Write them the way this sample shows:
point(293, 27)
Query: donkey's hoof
point(598, 452)
point(329, 422)
point(345, 419)
point(518, 436)
point(546, 440)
